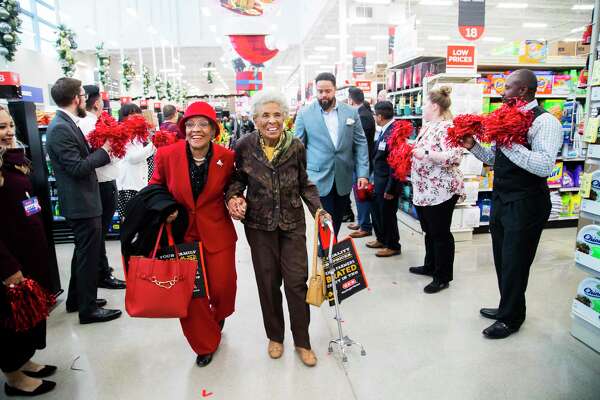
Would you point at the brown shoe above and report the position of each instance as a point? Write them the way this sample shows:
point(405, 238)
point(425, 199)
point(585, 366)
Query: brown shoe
point(275, 349)
point(387, 253)
point(307, 356)
point(375, 244)
point(359, 234)
point(354, 227)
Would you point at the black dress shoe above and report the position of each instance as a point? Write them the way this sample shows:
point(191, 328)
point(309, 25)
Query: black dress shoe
point(435, 287)
point(348, 217)
point(110, 282)
point(45, 372)
point(99, 303)
point(203, 360)
point(420, 271)
point(490, 313)
point(45, 387)
point(498, 330)
point(100, 315)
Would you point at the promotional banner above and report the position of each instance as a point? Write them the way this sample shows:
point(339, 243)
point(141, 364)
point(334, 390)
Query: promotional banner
point(461, 58)
point(248, 80)
point(471, 18)
point(189, 251)
point(365, 86)
point(359, 62)
point(33, 94)
point(252, 48)
point(349, 275)
point(391, 36)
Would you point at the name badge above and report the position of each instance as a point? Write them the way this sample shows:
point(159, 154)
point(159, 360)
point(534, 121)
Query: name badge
point(31, 206)
point(382, 145)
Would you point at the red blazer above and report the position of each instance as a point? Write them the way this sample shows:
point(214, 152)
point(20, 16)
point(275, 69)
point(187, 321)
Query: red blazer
point(209, 220)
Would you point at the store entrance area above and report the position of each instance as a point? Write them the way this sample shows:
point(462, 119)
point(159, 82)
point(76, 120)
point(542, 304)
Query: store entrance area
point(418, 346)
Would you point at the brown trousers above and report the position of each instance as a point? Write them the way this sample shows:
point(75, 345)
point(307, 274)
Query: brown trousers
point(277, 256)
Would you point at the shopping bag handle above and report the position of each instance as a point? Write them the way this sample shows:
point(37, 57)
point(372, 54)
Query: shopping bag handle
point(316, 241)
point(170, 240)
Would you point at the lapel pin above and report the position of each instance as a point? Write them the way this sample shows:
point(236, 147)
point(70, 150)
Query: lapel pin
point(220, 163)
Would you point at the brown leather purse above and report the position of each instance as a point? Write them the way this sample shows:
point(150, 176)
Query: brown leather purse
point(316, 284)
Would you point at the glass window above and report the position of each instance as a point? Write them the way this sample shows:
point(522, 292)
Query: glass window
point(26, 5)
point(47, 48)
point(47, 32)
point(51, 3)
point(28, 41)
point(27, 25)
point(47, 14)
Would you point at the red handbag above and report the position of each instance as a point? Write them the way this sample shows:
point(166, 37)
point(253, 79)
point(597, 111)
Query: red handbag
point(159, 288)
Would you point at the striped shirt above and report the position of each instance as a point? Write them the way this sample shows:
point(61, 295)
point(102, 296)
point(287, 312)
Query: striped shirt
point(545, 137)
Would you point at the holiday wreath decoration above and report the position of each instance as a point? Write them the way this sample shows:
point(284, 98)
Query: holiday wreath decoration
point(10, 25)
point(65, 45)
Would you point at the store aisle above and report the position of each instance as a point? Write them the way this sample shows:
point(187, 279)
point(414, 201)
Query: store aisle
point(419, 346)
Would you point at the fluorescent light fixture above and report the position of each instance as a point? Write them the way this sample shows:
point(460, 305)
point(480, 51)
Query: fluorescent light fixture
point(379, 37)
point(365, 48)
point(582, 7)
point(325, 48)
point(513, 5)
point(318, 57)
point(438, 37)
point(442, 3)
point(205, 11)
point(580, 29)
point(571, 39)
point(493, 39)
point(535, 25)
point(131, 11)
point(212, 28)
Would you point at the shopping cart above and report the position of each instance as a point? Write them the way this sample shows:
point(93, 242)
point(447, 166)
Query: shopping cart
point(342, 341)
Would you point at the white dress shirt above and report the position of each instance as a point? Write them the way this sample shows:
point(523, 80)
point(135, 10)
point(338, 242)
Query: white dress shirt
point(133, 173)
point(110, 171)
point(331, 121)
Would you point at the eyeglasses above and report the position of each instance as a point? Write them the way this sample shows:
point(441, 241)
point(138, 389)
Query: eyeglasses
point(200, 124)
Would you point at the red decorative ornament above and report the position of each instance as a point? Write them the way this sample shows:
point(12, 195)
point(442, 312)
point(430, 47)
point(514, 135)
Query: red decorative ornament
point(400, 152)
point(164, 138)
point(509, 124)
point(464, 125)
point(29, 305)
point(252, 48)
point(137, 128)
point(108, 129)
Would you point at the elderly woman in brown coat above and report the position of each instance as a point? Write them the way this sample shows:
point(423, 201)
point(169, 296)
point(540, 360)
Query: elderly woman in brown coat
point(271, 168)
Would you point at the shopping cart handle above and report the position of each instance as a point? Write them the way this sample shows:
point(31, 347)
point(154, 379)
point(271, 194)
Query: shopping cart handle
point(329, 225)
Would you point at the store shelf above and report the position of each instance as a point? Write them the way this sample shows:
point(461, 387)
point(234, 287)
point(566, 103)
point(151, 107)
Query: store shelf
point(594, 151)
point(482, 190)
point(410, 221)
point(571, 218)
point(542, 96)
point(405, 91)
point(554, 186)
point(456, 77)
point(484, 223)
point(573, 189)
point(59, 218)
point(416, 60)
point(590, 206)
point(499, 64)
point(591, 264)
point(53, 198)
point(51, 179)
point(586, 313)
point(570, 159)
point(409, 117)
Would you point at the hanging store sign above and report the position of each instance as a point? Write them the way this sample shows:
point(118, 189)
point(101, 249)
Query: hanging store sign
point(359, 62)
point(10, 85)
point(471, 18)
point(125, 99)
point(252, 48)
point(461, 58)
point(248, 80)
point(391, 35)
point(32, 94)
point(365, 86)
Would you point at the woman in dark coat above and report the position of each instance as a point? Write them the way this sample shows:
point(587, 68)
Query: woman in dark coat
point(271, 166)
point(23, 254)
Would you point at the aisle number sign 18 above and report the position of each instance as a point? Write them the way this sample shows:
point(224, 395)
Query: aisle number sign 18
point(471, 18)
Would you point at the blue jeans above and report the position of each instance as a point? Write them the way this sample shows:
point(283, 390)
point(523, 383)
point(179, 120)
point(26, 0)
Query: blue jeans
point(363, 211)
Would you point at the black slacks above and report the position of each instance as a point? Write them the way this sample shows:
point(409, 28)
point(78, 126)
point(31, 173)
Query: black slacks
point(16, 348)
point(108, 196)
point(385, 223)
point(439, 242)
point(83, 286)
point(336, 206)
point(281, 255)
point(516, 228)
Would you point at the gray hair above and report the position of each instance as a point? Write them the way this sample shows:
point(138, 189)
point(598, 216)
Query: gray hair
point(269, 96)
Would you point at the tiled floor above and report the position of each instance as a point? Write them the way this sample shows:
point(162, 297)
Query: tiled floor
point(419, 346)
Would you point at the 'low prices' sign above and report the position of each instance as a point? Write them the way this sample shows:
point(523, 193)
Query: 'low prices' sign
point(349, 275)
point(461, 58)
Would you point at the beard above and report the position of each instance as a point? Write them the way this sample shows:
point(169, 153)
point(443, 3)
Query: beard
point(325, 103)
point(81, 113)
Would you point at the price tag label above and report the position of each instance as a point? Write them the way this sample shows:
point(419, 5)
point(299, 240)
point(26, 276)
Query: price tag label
point(591, 130)
point(585, 185)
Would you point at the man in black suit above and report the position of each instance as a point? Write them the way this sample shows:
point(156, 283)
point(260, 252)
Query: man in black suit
point(356, 98)
point(79, 195)
point(387, 188)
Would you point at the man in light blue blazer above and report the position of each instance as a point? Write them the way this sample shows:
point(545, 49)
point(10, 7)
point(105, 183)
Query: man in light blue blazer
point(336, 147)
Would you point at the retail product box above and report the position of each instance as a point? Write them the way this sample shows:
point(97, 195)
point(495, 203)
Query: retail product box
point(498, 82)
point(471, 191)
point(470, 165)
point(544, 80)
point(486, 82)
point(470, 217)
point(408, 71)
point(457, 216)
point(561, 84)
point(400, 79)
point(419, 72)
point(557, 172)
point(533, 52)
point(582, 50)
point(391, 81)
point(561, 48)
point(587, 243)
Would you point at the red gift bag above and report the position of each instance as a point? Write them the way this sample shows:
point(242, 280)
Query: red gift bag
point(159, 288)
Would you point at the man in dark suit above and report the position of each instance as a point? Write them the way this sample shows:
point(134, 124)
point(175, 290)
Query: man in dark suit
point(356, 98)
point(79, 195)
point(387, 188)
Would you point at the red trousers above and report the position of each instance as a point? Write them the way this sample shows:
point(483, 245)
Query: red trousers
point(201, 326)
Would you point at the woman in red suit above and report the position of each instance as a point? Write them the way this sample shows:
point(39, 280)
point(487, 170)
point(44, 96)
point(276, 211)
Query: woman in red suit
point(197, 173)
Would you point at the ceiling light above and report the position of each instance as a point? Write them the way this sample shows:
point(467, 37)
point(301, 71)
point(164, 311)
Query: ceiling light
point(513, 5)
point(365, 48)
point(580, 29)
point(438, 37)
point(435, 3)
point(493, 39)
point(534, 25)
point(131, 12)
point(205, 11)
point(571, 39)
point(582, 7)
point(318, 57)
point(325, 48)
point(379, 37)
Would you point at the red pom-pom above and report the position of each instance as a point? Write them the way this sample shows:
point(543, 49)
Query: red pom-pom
point(29, 305)
point(509, 124)
point(464, 125)
point(137, 128)
point(164, 138)
point(108, 129)
point(400, 152)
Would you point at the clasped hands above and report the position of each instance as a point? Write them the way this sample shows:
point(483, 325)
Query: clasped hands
point(237, 208)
